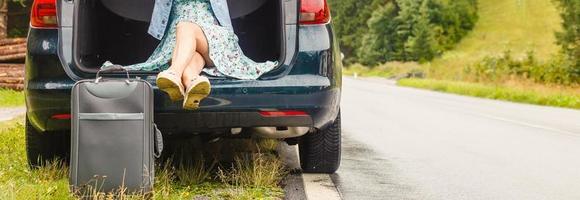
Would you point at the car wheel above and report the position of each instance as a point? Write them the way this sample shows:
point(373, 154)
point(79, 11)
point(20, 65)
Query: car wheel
point(43, 147)
point(320, 150)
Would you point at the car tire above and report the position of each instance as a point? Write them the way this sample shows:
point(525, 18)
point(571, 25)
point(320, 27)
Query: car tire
point(43, 147)
point(320, 150)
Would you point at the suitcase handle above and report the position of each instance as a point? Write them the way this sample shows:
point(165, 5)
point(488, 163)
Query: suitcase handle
point(112, 68)
point(157, 142)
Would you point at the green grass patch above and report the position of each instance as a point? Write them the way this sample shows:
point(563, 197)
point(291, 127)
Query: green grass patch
point(522, 95)
point(257, 178)
point(519, 26)
point(11, 98)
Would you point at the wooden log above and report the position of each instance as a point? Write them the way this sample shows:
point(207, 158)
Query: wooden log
point(17, 87)
point(11, 70)
point(12, 74)
point(11, 65)
point(11, 41)
point(17, 56)
point(12, 80)
point(12, 50)
point(12, 46)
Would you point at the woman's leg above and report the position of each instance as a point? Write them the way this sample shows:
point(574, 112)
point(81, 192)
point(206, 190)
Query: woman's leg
point(190, 39)
point(196, 88)
point(185, 46)
point(193, 69)
point(203, 46)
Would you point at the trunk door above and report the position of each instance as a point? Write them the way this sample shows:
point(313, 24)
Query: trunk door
point(289, 40)
point(290, 44)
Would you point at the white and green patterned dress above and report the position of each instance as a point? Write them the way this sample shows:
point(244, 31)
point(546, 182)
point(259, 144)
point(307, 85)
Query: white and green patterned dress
point(224, 50)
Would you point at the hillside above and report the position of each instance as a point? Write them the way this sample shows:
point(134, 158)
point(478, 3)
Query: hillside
point(516, 25)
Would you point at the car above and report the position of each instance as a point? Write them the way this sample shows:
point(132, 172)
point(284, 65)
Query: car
point(298, 101)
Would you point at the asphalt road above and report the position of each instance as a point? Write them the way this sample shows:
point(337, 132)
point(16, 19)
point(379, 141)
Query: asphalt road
point(403, 143)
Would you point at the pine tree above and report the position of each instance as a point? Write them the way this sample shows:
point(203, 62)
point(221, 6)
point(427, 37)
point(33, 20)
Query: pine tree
point(350, 22)
point(378, 43)
point(569, 37)
point(421, 46)
point(406, 20)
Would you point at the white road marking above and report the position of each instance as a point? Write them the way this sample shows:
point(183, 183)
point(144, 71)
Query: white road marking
point(320, 187)
point(526, 124)
point(316, 186)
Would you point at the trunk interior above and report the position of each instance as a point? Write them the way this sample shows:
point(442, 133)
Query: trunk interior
point(105, 30)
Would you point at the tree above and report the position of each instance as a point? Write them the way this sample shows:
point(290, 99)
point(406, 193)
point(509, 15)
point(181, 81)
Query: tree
point(378, 43)
point(569, 37)
point(377, 31)
point(421, 46)
point(350, 22)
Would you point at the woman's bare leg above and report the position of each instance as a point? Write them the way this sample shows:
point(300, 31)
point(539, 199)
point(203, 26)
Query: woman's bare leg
point(189, 40)
point(203, 46)
point(193, 69)
point(185, 46)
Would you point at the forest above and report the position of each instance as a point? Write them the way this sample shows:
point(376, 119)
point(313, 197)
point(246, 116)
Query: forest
point(508, 43)
point(377, 31)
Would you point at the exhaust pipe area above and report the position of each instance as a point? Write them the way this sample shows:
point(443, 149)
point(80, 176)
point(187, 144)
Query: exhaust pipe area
point(274, 132)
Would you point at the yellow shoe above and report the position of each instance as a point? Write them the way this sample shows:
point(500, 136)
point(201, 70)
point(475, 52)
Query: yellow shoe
point(199, 88)
point(170, 83)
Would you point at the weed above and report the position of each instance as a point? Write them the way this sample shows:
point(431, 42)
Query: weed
point(267, 145)
point(193, 174)
point(51, 171)
point(253, 170)
point(505, 67)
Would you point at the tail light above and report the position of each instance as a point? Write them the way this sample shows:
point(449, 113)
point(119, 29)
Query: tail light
point(43, 14)
point(61, 116)
point(283, 113)
point(314, 12)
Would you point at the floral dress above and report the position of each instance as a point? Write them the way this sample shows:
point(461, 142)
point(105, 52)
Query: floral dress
point(224, 50)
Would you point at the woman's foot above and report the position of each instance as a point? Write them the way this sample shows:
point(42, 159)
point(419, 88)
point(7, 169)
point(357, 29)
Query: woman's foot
point(198, 88)
point(170, 82)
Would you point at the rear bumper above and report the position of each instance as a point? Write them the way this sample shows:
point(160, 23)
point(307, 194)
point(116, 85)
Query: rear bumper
point(232, 104)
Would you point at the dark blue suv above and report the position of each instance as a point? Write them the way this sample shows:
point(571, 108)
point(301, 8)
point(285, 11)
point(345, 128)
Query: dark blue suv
point(298, 101)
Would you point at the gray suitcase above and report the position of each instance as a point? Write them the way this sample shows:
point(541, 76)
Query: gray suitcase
point(113, 138)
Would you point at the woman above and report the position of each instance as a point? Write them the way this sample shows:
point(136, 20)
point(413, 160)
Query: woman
point(195, 34)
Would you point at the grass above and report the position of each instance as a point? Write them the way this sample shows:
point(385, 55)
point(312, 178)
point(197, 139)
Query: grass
point(11, 98)
point(255, 178)
point(17, 181)
point(519, 26)
point(254, 170)
point(563, 98)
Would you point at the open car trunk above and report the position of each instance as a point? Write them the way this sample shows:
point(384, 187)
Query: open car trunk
point(116, 30)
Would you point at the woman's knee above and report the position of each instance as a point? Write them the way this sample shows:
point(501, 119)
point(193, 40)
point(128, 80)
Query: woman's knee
point(185, 25)
point(189, 28)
